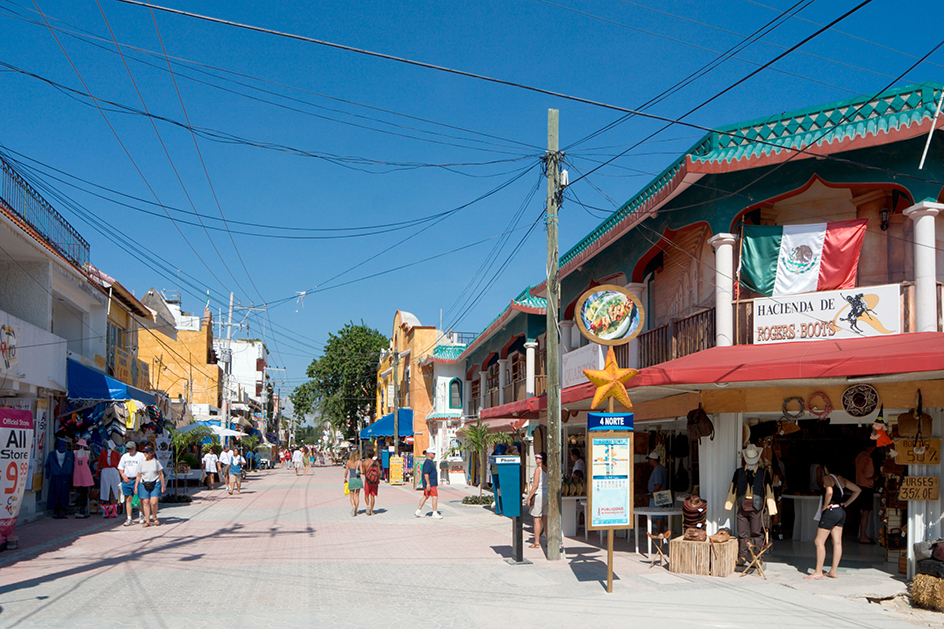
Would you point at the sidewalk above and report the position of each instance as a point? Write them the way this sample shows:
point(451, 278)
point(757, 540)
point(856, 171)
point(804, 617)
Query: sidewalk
point(286, 552)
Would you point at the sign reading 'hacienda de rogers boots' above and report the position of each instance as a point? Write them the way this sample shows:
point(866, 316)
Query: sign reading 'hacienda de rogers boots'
point(838, 314)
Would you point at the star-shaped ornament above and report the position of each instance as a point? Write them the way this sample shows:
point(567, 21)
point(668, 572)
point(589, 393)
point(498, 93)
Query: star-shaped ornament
point(609, 381)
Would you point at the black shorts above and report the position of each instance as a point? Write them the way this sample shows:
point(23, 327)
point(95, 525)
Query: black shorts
point(832, 518)
point(865, 501)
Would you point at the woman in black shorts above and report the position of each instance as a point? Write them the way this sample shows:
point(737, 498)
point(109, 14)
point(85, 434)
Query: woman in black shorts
point(838, 493)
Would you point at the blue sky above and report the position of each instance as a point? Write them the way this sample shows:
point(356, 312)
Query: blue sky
point(298, 137)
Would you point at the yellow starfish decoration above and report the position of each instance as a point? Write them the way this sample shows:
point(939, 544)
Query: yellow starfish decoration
point(609, 381)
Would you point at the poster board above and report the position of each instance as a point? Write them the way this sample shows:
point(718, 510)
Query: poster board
point(906, 454)
point(919, 488)
point(610, 471)
point(16, 441)
point(396, 470)
point(418, 473)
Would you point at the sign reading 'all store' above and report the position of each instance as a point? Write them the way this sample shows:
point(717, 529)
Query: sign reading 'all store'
point(837, 314)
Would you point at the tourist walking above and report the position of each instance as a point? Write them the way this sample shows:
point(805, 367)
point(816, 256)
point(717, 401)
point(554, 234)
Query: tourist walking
point(128, 466)
point(236, 471)
point(537, 498)
point(430, 486)
point(838, 494)
point(352, 474)
point(211, 467)
point(306, 459)
point(297, 460)
point(226, 457)
point(148, 484)
point(371, 469)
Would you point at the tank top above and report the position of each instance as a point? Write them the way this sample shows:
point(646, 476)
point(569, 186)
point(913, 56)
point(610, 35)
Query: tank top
point(354, 472)
point(834, 499)
point(542, 484)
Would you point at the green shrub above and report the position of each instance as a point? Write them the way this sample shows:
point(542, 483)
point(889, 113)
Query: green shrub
point(478, 500)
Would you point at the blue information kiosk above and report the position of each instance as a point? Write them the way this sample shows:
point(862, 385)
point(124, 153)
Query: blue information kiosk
point(506, 480)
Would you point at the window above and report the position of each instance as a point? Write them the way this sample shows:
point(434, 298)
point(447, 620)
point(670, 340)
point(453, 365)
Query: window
point(476, 389)
point(114, 337)
point(491, 376)
point(518, 367)
point(455, 393)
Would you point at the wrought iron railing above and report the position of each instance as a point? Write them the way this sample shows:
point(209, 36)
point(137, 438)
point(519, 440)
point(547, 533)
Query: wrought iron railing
point(20, 198)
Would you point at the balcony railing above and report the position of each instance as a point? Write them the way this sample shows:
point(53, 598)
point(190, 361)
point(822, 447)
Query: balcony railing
point(474, 406)
point(678, 338)
point(492, 398)
point(540, 385)
point(20, 198)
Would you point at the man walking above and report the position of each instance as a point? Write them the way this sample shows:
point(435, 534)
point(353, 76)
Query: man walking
point(210, 467)
point(297, 460)
point(128, 468)
point(226, 459)
point(430, 486)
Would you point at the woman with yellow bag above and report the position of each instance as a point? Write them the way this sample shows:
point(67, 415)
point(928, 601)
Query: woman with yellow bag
point(353, 481)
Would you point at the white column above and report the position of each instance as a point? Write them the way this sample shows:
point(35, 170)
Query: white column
point(503, 378)
point(466, 396)
point(925, 264)
point(529, 367)
point(566, 336)
point(724, 288)
point(482, 391)
point(718, 459)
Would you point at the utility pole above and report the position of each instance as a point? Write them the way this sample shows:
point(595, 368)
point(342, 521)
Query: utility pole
point(552, 166)
point(228, 357)
point(396, 400)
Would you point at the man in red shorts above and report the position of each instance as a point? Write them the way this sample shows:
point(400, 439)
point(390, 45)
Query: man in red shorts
point(430, 485)
point(371, 480)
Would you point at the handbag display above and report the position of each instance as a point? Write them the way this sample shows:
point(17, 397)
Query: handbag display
point(915, 422)
point(720, 537)
point(695, 535)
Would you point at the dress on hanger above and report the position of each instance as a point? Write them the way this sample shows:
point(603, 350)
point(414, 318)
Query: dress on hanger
point(81, 474)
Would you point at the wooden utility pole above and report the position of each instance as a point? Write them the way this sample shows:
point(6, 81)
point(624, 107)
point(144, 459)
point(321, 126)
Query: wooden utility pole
point(395, 374)
point(552, 340)
point(229, 362)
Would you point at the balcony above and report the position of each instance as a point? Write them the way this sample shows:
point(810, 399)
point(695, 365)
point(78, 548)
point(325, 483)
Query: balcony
point(514, 392)
point(678, 338)
point(474, 406)
point(19, 198)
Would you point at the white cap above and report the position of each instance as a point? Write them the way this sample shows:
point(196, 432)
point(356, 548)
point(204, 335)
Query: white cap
point(653, 455)
point(430, 450)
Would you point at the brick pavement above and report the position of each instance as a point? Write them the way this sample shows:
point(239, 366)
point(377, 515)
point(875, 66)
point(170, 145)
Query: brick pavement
point(287, 552)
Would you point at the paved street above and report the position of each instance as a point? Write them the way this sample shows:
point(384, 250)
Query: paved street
point(288, 553)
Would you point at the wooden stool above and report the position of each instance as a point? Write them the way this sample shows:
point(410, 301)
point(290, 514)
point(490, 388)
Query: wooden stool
point(756, 562)
point(661, 537)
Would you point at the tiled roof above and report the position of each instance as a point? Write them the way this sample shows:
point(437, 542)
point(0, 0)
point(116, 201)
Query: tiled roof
point(449, 415)
point(830, 128)
point(448, 352)
point(530, 302)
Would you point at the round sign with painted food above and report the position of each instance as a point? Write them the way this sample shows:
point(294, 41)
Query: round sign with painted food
point(609, 315)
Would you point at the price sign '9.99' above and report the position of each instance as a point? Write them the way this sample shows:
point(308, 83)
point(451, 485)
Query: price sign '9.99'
point(16, 439)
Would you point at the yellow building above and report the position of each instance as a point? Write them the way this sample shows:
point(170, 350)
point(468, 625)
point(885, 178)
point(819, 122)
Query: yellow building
point(186, 367)
point(410, 343)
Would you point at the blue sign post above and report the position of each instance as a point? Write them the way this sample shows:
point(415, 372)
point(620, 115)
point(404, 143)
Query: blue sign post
point(506, 480)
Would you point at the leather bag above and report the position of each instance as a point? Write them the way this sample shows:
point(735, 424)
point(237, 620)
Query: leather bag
point(915, 422)
point(720, 537)
point(695, 535)
point(699, 425)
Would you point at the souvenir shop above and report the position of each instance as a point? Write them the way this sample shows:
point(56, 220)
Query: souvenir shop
point(91, 430)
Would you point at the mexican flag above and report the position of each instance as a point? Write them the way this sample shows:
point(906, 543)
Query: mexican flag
point(791, 259)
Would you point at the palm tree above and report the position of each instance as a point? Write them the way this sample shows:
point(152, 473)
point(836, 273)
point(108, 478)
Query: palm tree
point(477, 440)
point(180, 441)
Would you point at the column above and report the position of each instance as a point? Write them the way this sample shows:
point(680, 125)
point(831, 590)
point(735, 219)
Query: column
point(503, 378)
point(925, 264)
point(723, 245)
point(482, 392)
point(529, 367)
point(566, 336)
point(466, 396)
point(718, 458)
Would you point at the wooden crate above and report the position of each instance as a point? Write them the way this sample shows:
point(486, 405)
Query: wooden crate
point(724, 558)
point(687, 557)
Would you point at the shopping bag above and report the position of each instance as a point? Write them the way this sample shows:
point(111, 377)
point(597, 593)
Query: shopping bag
point(135, 502)
point(347, 490)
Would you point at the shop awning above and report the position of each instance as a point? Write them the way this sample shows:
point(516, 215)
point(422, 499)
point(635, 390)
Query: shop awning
point(383, 427)
point(917, 353)
point(505, 424)
point(87, 384)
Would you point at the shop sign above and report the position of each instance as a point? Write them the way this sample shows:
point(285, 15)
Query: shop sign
point(162, 449)
point(919, 488)
point(396, 470)
point(610, 499)
point(38, 454)
point(837, 314)
point(7, 346)
point(609, 315)
point(16, 440)
point(928, 452)
point(140, 374)
point(573, 363)
point(123, 361)
point(609, 421)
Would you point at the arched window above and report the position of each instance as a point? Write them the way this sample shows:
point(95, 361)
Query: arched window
point(455, 393)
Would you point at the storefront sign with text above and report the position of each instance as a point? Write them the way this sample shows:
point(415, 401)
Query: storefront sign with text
point(919, 488)
point(837, 314)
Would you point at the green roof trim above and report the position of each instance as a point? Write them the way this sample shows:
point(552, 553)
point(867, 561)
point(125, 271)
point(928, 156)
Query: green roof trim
point(867, 116)
point(448, 352)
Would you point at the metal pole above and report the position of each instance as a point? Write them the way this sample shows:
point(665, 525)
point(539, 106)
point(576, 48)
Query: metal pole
point(552, 163)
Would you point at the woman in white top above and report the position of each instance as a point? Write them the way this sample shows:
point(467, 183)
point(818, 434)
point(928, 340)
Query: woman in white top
point(149, 484)
point(537, 498)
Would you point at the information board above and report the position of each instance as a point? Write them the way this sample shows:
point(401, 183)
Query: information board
point(396, 470)
point(906, 454)
point(919, 488)
point(610, 495)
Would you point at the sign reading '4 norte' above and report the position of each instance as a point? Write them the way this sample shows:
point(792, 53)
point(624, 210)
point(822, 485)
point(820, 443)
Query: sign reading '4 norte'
point(837, 314)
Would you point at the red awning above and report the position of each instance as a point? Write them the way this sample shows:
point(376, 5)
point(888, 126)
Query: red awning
point(863, 357)
point(505, 424)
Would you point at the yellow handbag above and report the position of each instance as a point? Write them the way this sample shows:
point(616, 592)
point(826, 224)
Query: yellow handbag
point(347, 490)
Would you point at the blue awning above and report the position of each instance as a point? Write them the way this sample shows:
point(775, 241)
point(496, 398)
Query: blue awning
point(383, 427)
point(87, 384)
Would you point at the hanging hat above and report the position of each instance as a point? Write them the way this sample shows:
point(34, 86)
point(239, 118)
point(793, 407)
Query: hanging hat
point(82, 443)
point(751, 454)
point(654, 455)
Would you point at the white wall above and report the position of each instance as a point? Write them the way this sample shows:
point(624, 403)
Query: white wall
point(243, 372)
point(442, 376)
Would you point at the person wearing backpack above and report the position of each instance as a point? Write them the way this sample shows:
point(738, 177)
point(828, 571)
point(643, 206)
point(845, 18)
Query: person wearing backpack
point(371, 480)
